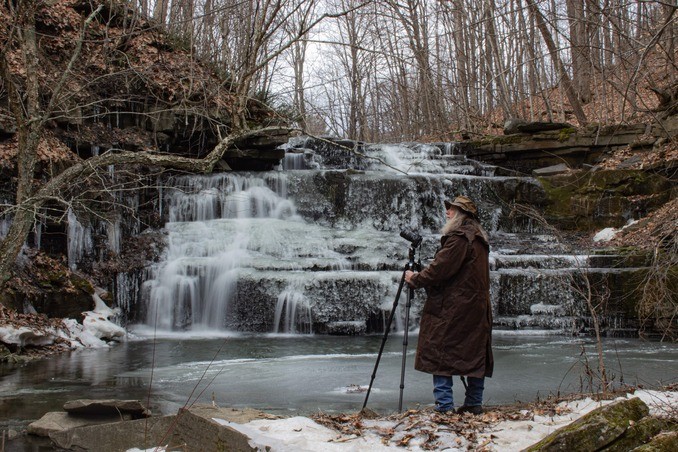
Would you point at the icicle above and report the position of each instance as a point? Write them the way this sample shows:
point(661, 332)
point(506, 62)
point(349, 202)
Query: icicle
point(79, 240)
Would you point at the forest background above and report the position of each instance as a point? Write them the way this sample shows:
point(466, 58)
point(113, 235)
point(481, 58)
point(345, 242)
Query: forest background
point(434, 70)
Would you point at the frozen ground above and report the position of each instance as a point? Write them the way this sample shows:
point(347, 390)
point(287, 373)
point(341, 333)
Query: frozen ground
point(495, 430)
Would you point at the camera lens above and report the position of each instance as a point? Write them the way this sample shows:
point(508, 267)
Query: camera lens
point(411, 236)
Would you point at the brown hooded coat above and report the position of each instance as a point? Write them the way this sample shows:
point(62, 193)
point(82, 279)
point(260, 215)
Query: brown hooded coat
point(455, 332)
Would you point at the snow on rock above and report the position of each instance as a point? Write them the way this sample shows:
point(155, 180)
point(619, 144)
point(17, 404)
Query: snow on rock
point(96, 330)
point(301, 434)
point(23, 336)
point(605, 235)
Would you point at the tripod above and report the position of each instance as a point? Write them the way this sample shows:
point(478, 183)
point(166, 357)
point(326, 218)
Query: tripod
point(410, 294)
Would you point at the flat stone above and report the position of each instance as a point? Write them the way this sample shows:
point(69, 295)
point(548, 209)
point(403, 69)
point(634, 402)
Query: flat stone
point(57, 421)
point(629, 162)
point(268, 139)
point(551, 170)
point(107, 407)
point(542, 126)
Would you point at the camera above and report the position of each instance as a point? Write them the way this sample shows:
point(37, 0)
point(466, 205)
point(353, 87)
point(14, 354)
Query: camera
point(411, 236)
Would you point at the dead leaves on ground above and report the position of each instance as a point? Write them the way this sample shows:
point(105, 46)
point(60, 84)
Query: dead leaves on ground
point(425, 429)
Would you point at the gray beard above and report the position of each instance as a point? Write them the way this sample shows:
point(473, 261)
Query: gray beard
point(453, 224)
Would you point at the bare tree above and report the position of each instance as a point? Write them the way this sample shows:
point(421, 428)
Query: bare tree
point(560, 67)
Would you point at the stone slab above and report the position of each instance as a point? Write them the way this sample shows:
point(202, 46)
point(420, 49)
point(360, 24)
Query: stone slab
point(57, 421)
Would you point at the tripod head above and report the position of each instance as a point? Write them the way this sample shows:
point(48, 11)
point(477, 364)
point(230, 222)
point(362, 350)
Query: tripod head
point(411, 265)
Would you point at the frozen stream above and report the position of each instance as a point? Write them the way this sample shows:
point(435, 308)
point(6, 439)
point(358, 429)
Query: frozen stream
point(298, 374)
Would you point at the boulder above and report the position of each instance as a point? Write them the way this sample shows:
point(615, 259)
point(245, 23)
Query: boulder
point(107, 407)
point(664, 442)
point(638, 434)
point(599, 428)
point(205, 428)
point(118, 436)
point(511, 125)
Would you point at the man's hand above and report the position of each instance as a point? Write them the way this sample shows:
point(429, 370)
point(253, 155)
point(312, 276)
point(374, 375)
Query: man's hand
point(408, 276)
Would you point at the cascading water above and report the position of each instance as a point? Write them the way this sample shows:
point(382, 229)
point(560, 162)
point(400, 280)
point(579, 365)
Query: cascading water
point(316, 248)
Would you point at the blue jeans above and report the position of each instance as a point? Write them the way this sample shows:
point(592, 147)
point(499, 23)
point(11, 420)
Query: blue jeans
point(442, 392)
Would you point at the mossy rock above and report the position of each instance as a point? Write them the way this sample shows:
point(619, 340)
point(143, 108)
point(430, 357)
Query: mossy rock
point(664, 442)
point(499, 140)
point(638, 434)
point(587, 201)
point(597, 429)
point(565, 133)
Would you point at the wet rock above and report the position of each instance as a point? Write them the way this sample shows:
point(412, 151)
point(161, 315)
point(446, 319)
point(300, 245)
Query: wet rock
point(348, 328)
point(595, 430)
point(107, 407)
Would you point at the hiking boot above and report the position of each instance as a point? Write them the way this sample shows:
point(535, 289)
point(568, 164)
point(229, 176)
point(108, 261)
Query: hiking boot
point(473, 409)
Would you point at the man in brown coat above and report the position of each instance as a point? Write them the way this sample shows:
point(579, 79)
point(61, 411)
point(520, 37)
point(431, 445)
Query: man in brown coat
point(455, 332)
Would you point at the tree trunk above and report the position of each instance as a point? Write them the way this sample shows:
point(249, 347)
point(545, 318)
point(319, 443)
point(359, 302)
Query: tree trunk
point(560, 68)
point(581, 66)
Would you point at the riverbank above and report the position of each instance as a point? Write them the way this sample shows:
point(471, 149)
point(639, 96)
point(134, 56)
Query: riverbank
point(513, 427)
point(499, 428)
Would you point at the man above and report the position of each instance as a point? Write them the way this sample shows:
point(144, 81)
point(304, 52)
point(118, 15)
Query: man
point(455, 332)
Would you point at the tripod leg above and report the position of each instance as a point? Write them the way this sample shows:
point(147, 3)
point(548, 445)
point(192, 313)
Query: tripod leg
point(383, 341)
point(410, 295)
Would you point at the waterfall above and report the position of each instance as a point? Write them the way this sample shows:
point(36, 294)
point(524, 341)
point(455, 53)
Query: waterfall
point(314, 246)
point(291, 310)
